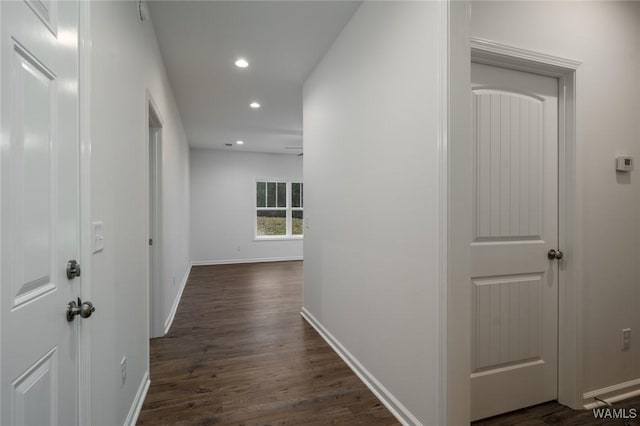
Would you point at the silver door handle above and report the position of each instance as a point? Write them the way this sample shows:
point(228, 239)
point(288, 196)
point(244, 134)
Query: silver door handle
point(84, 309)
point(555, 254)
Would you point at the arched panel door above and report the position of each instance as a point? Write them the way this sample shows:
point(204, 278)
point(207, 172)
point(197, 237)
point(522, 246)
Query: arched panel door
point(514, 284)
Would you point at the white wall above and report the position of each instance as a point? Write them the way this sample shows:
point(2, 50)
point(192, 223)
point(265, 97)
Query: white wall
point(371, 170)
point(125, 61)
point(223, 205)
point(605, 36)
point(175, 189)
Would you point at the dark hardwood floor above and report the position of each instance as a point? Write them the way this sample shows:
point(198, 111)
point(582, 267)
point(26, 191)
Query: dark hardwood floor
point(239, 353)
point(553, 413)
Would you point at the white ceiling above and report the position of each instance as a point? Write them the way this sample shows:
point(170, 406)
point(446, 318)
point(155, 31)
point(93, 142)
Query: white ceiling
point(283, 42)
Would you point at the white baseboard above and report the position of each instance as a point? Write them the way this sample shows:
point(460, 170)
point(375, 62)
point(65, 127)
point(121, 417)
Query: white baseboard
point(393, 405)
point(611, 394)
point(255, 260)
point(176, 302)
point(136, 406)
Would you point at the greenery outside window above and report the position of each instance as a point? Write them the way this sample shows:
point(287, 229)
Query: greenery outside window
point(279, 209)
point(296, 208)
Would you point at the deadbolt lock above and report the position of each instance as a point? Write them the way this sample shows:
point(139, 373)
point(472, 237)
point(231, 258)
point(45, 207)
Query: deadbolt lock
point(73, 269)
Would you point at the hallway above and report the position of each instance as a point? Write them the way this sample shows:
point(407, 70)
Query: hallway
point(240, 353)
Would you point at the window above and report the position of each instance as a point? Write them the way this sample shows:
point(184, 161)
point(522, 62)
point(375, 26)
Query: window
point(296, 208)
point(279, 209)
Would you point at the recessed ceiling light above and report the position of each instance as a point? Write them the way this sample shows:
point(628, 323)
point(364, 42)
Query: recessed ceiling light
point(242, 63)
point(254, 105)
point(240, 142)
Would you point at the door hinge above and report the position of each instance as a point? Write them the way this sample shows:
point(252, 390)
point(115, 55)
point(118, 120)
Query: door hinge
point(150, 241)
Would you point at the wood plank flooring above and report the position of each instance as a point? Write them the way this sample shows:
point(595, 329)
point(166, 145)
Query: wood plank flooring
point(239, 353)
point(553, 413)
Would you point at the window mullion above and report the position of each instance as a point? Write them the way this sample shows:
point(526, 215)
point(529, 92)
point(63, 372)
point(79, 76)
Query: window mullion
point(289, 231)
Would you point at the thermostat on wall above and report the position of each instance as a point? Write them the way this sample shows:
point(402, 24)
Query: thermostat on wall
point(624, 164)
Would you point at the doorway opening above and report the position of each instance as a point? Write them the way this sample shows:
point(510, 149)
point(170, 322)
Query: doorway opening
point(563, 73)
point(569, 360)
point(155, 220)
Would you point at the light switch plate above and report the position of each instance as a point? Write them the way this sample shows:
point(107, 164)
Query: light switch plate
point(626, 339)
point(98, 236)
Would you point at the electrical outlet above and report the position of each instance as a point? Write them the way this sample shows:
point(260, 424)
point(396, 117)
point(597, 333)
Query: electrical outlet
point(123, 367)
point(626, 339)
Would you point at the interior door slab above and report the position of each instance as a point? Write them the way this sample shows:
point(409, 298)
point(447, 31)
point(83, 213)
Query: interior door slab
point(39, 212)
point(514, 284)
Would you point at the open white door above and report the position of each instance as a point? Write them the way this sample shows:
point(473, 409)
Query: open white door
point(515, 222)
point(39, 212)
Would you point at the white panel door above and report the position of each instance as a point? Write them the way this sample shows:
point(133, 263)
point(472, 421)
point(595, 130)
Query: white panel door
point(39, 212)
point(514, 285)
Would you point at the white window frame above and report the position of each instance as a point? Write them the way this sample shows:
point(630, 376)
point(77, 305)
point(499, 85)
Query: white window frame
point(289, 209)
point(292, 209)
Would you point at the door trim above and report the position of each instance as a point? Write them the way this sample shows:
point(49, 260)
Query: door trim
point(570, 292)
point(156, 327)
point(445, 12)
point(0, 251)
point(84, 77)
point(488, 52)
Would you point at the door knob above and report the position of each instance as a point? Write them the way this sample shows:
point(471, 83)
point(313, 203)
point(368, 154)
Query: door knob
point(555, 254)
point(84, 309)
point(73, 269)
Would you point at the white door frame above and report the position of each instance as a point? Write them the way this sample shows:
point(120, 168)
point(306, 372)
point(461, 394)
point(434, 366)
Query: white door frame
point(152, 115)
point(569, 217)
point(84, 76)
